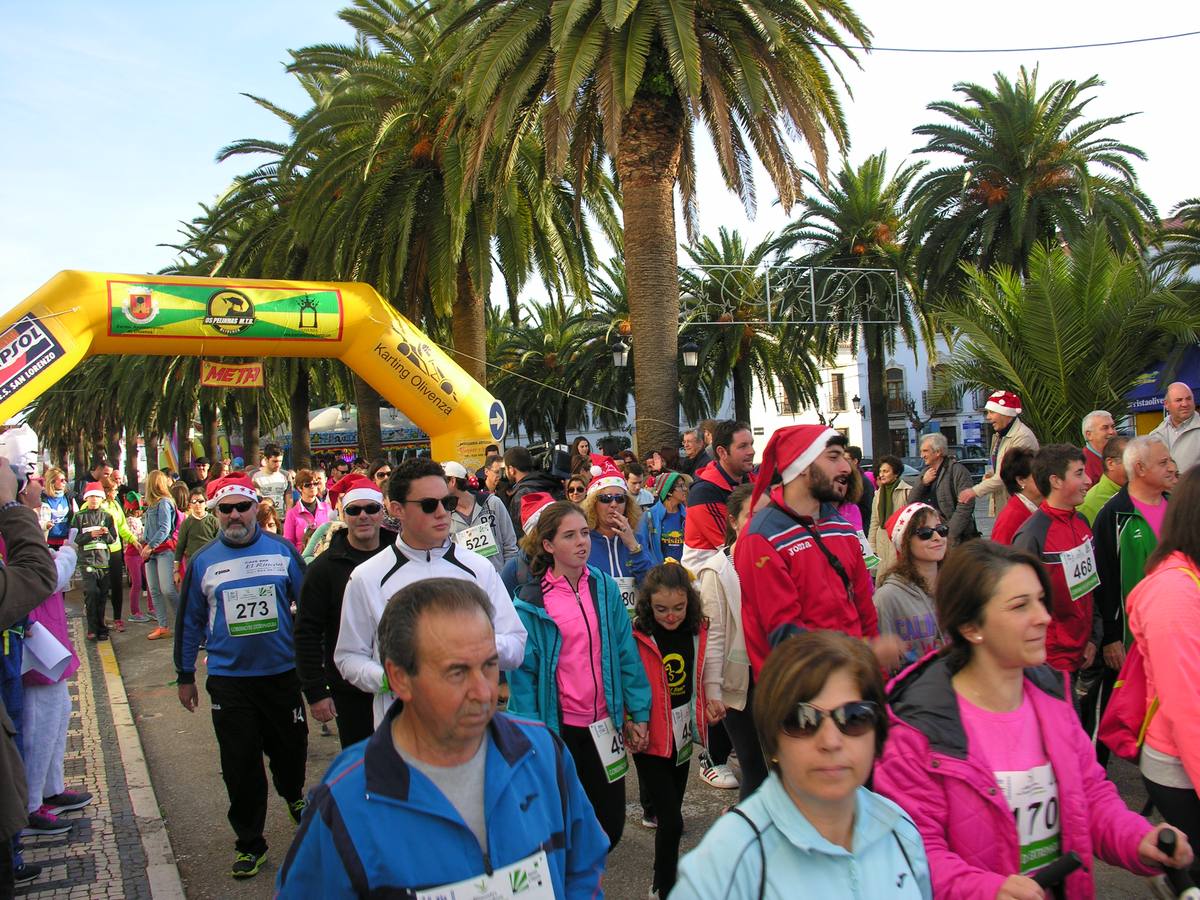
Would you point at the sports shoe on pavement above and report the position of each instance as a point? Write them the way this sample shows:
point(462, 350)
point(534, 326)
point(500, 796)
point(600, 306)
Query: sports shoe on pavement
point(648, 820)
point(139, 617)
point(119, 624)
point(26, 872)
point(719, 776)
point(246, 865)
point(43, 822)
point(161, 632)
point(67, 801)
point(296, 809)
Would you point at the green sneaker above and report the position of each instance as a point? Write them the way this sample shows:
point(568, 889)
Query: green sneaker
point(296, 809)
point(247, 865)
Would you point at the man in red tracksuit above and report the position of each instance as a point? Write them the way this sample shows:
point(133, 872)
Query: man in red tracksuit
point(1061, 539)
point(801, 564)
point(704, 527)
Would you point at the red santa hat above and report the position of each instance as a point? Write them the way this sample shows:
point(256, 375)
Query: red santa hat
point(236, 485)
point(93, 489)
point(899, 520)
point(531, 509)
point(354, 487)
point(1006, 403)
point(606, 475)
point(789, 452)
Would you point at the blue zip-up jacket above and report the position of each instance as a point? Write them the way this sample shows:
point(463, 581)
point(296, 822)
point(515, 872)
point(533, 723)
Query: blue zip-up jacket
point(160, 521)
point(533, 688)
point(239, 581)
point(376, 827)
point(612, 557)
point(649, 532)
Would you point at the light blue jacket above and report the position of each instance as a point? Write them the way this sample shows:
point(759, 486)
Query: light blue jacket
point(650, 531)
point(533, 688)
point(888, 859)
point(377, 827)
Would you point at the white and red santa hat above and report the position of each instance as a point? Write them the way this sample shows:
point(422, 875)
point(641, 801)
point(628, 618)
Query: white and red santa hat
point(355, 487)
point(93, 489)
point(605, 475)
point(789, 452)
point(237, 485)
point(531, 509)
point(1006, 403)
point(899, 520)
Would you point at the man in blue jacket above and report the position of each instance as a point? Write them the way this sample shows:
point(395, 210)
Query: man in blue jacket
point(448, 796)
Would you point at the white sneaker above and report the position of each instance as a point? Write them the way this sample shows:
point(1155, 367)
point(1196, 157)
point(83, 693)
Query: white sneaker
point(653, 895)
point(720, 777)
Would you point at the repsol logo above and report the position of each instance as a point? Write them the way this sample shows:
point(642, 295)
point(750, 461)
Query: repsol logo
point(20, 343)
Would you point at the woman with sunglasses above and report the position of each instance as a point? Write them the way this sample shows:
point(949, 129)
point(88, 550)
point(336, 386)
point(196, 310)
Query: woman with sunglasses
point(661, 530)
point(812, 828)
point(158, 550)
point(57, 508)
point(987, 754)
point(198, 529)
point(904, 597)
point(306, 513)
point(576, 489)
point(582, 674)
point(381, 472)
point(612, 518)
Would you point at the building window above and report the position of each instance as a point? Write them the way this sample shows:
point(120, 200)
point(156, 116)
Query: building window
point(899, 441)
point(837, 392)
point(897, 399)
point(951, 433)
point(935, 402)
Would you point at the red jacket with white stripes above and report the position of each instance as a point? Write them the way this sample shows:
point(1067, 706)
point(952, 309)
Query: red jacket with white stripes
point(704, 528)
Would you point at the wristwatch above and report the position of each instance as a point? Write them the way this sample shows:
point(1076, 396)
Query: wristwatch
point(636, 548)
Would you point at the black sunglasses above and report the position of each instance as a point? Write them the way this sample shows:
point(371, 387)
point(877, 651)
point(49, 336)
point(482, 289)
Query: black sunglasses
point(576, 490)
point(925, 532)
point(611, 498)
point(852, 719)
point(429, 505)
point(383, 473)
point(227, 508)
point(369, 508)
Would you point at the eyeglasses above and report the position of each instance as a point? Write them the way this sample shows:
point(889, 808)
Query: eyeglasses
point(197, 500)
point(852, 719)
point(925, 532)
point(577, 490)
point(369, 508)
point(227, 508)
point(611, 498)
point(307, 484)
point(429, 505)
point(383, 473)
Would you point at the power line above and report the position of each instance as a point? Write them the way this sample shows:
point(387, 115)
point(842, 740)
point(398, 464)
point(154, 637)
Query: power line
point(1145, 40)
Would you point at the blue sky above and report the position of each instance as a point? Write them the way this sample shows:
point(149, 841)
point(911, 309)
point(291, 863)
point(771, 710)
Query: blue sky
point(112, 112)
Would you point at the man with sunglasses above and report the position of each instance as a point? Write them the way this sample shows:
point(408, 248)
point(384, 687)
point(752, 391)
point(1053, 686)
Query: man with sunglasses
point(479, 522)
point(355, 539)
point(419, 498)
point(237, 598)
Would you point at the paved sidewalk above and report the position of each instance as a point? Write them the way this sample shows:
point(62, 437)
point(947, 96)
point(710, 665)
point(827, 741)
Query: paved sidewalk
point(118, 847)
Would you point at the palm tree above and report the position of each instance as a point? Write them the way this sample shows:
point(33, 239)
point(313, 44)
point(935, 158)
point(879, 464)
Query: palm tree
point(726, 282)
point(629, 81)
point(861, 219)
point(1072, 336)
point(1030, 169)
point(1179, 237)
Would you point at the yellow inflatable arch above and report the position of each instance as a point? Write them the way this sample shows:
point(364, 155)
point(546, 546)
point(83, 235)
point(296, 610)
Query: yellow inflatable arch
point(80, 314)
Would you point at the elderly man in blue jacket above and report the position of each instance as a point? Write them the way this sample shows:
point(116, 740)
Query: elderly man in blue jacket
point(448, 797)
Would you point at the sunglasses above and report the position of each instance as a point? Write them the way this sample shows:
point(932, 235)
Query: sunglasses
point(383, 473)
point(307, 484)
point(611, 498)
point(429, 505)
point(577, 490)
point(925, 532)
point(197, 500)
point(852, 719)
point(227, 508)
point(369, 508)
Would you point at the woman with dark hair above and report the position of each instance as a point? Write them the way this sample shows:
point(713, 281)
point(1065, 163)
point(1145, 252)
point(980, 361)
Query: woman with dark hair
point(576, 488)
point(1164, 618)
point(891, 494)
point(581, 456)
point(813, 829)
point(581, 675)
point(904, 598)
point(671, 631)
point(987, 754)
point(1023, 495)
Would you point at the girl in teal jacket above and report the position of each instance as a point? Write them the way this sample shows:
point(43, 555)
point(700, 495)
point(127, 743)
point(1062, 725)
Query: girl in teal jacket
point(582, 675)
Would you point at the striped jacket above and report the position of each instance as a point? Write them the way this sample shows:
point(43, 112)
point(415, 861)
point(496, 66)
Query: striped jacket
point(788, 583)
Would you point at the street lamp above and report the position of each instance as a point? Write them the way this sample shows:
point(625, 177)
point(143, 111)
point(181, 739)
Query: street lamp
point(620, 354)
point(857, 402)
point(691, 355)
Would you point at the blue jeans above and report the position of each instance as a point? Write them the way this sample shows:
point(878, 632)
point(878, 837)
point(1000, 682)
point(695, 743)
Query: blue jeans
point(160, 578)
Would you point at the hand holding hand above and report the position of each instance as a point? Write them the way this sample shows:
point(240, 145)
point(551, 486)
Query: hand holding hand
point(715, 710)
point(637, 736)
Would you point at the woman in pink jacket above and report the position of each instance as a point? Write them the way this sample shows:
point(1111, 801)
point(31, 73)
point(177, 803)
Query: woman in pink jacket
point(1164, 618)
point(306, 513)
point(985, 751)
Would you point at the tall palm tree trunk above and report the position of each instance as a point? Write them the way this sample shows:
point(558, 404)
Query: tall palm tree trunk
point(131, 466)
point(741, 391)
point(370, 433)
point(112, 443)
point(881, 433)
point(250, 428)
point(81, 459)
point(300, 400)
point(208, 428)
point(151, 452)
point(468, 326)
point(647, 161)
point(230, 418)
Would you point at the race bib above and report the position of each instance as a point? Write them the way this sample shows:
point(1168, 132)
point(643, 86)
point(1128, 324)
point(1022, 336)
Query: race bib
point(528, 879)
point(684, 731)
point(610, 746)
point(628, 594)
point(478, 538)
point(251, 610)
point(1079, 565)
point(1032, 796)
